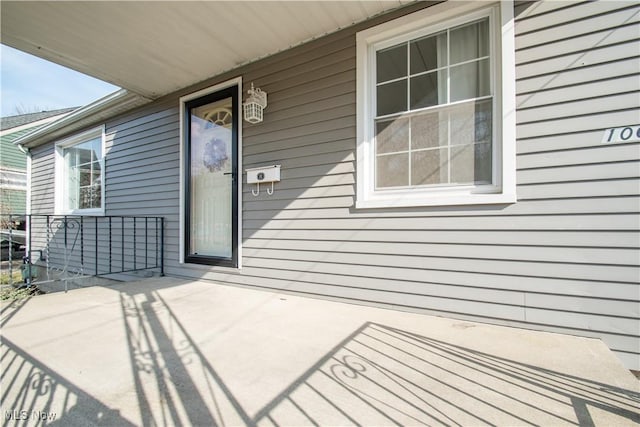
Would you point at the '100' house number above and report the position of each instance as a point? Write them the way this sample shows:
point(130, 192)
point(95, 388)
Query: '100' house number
point(622, 134)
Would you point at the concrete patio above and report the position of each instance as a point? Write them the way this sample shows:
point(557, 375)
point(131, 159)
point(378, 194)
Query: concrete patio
point(166, 351)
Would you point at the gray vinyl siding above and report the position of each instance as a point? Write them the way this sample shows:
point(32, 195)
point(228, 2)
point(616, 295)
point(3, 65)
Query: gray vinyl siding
point(43, 180)
point(563, 258)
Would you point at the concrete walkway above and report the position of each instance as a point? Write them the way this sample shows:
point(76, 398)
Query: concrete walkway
point(168, 351)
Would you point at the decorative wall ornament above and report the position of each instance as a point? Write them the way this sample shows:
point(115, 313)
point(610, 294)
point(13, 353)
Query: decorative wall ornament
point(215, 155)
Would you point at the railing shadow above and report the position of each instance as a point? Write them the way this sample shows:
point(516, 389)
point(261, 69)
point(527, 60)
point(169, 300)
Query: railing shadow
point(8, 309)
point(378, 375)
point(391, 376)
point(169, 368)
point(34, 394)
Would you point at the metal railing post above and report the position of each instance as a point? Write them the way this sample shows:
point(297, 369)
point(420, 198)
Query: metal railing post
point(162, 246)
point(65, 233)
point(82, 244)
point(157, 248)
point(11, 249)
point(30, 246)
point(146, 239)
point(122, 239)
point(49, 232)
point(109, 244)
point(96, 260)
point(134, 243)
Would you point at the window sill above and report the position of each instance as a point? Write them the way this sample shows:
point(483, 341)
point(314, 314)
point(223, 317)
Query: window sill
point(82, 212)
point(388, 201)
point(208, 267)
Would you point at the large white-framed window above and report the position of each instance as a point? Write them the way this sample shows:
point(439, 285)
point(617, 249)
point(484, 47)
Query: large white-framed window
point(79, 174)
point(436, 108)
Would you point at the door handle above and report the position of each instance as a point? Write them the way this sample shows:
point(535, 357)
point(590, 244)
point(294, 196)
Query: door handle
point(233, 174)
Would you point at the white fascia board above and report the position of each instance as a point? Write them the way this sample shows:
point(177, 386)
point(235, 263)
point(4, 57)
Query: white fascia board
point(111, 102)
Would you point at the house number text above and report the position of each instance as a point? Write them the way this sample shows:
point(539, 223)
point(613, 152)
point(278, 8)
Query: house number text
point(622, 134)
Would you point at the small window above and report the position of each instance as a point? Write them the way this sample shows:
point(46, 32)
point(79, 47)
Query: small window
point(80, 174)
point(430, 115)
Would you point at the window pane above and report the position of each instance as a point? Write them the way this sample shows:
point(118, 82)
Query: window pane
point(97, 148)
point(90, 197)
point(470, 42)
point(392, 98)
point(429, 167)
point(428, 89)
point(428, 53)
point(470, 80)
point(72, 187)
point(85, 177)
point(471, 122)
point(392, 136)
point(85, 198)
point(471, 164)
point(392, 170)
point(96, 196)
point(429, 130)
point(84, 155)
point(86, 145)
point(391, 63)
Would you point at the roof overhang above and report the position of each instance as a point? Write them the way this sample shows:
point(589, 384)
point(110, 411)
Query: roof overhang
point(156, 48)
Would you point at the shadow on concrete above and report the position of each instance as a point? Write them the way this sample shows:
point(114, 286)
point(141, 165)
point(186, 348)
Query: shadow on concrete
point(403, 378)
point(378, 375)
point(10, 308)
point(169, 367)
point(44, 397)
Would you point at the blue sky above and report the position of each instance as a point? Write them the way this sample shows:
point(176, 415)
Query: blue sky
point(33, 84)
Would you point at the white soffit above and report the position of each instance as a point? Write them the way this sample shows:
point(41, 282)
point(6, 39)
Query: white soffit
point(155, 48)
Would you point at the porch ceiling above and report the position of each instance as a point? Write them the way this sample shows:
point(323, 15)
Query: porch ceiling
point(155, 48)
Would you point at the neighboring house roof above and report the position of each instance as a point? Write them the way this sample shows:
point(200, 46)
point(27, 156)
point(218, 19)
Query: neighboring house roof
point(13, 161)
point(15, 127)
point(89, 115)
point(11, 122)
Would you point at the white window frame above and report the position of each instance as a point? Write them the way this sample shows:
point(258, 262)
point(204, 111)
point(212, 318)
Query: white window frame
point(434, 19)
point(61, 176)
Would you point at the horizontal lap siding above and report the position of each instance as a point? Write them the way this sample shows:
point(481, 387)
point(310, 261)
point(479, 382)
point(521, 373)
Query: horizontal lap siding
point(143, 163)
point(563, 258)
point(577, 75)
point(42, 180)
point(143, 172)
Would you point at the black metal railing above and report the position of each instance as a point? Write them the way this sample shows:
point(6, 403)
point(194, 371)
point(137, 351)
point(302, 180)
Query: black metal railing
point(82, 245)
